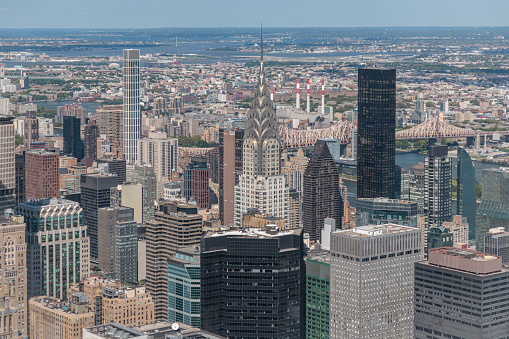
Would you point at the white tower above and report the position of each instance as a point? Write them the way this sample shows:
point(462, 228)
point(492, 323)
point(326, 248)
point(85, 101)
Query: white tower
point(132, 114)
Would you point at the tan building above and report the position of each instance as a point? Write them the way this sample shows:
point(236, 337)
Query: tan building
point(160, 106)
point(458, 228)
point(41, 175)
point(129, 195)
point(110, 121)
point(56, 319)
point(260, 220)
point(92, 287)
point(294, 210)
point(294, 170)
point(13, 288)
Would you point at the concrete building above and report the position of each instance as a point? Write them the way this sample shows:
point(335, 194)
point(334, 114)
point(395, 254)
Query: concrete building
point(118, 243)
point(371, 288)
point(58, 246)
point(416, 191)
point(128, 306)
point(458, 310)
point(196, 182)
point(459, 228)
point(73, 110)
point(174, 225)
point(146, 176)
point(13, 295)
point(53, 318)
point(132, 114)
point(160, 152)
point(129, 195)
point(19, 172)
point(110, 120)
point(41, 175)
point(112, 330)
point(73, 145)
point(160, 106)
point(7, 159)
point(439, 237)
point(255, 219)
point(90, 144)
point(317, 295)
point(115, 166)
point(165, 330)
point(31, 125)
point(496, 242)
point(184, 286)
point(437, 186)
point(378, 211)
point(294, 169)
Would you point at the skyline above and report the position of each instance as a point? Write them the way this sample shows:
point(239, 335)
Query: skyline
point(226, 13)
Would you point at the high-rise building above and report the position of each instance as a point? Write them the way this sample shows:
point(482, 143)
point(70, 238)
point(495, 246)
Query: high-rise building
point(459, 228)
point(236, 267)
point(8, 168)
point(95, 194)
point(91, 136)
point(117, 243)
point(161, 153)
point(230, 168)
point(31, 127)
point(146, 176)
point(294, 209)
point(160, 106)
point(371, 283)
point(416, 192)
point(57, 246)
point(437, 186)
point(321, 197)
point(73, 145)
point(496, 242)
point(174, 225)
point(439, 237)
point(261, 185)
point(19, 169)
point(317, 295)
point(294, 169)
point(41, 175)
point(115, 166)
point(184, 286)
point(493, 211)
point(376, 133)
point(380, 211)
point(13, 302)
point(466, 193)
point(129, 195)
point(110, 120)
point(73, 110)
point(470, 301)
point(132, 114)
point(196, 182)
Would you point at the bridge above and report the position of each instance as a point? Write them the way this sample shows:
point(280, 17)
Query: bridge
point(433, 128)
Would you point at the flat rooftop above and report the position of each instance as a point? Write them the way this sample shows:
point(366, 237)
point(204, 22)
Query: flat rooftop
point(253, 233)
point(465, 260)
point(113, 330)
point(47, 202)
point(376, 230)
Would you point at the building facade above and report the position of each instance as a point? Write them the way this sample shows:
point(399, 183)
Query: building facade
point(146, 176)
point(129, 195)
point(496, 242)
point(110, 120)
point(437, 186)
point(73, 146)
point(294, 168)
point(160, 152)
point(196, 182)
point(132, 113)
point(466, 193)
point(459, 228)
point(380, 211)
point(41, 175)
point(7, 159)
point(317, 295)
point(91, 136)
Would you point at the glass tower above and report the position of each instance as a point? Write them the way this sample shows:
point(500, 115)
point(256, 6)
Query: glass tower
point(466, 199)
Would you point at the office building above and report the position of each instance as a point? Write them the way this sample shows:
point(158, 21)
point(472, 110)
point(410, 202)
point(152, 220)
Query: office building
point(7, 159)
point(236, 266)
point(146, 176)
point(132, 114)
point(439, 237)
point(53, 318)
point(261, 185)
point(166, 330)
point(128, 306)
point(112, 330)
point(41, 175)
point(184, 286)
point(73, 145)
point(95, 194)
point(437, 186)
point(376, 143)
point(58, 246)
point(471, 301)
point(317, 295)
point(91, 136)
point(115, 166)
point(380, 211)
point(31, 129)
point(160, 152)
point(110, 120)
point(230, 168)
point(321, 197)
point(174, 225)
point(129, 195)
point(196, 182)
point(493, 211)
point(13, 295)
point(496, 242)
point(73, 110)
point(19, 170)
point(459, 228)
point(117, 243)
point(294, 168)
point(371, 284)
point(466, 192)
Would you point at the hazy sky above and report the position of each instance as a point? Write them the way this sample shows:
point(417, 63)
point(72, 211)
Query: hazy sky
point(242, 13)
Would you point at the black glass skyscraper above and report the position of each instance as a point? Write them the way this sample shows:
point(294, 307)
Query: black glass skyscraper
point(466, 198)
point(321, 195)
point(73, 145)
point(376, 133)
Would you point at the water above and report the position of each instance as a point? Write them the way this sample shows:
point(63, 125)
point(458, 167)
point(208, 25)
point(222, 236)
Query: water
point(89, 106)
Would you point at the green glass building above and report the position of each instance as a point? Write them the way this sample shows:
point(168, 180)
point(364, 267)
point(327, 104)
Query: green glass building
point(317, 295)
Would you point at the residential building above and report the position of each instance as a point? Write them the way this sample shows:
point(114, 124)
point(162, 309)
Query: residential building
point(317, 295)
point(8, 168)
point(73, 110)
point(91, 136)
point(466, 192)
point(372, 282)
point(471, 301)
point(437, 186)
point(146, 176)
point(110, 120)
point(235, 257)
point(132, 114)
point(459, 228)
point(128, 306)
point(196, 182)
point(376, 133)
point(19, 170)
point(294, 209)
point(160, 152)
point(41, 175)
point(294, 169)
point(31, 125)
point(160, 106)
point(129, 195)
point(255, 219)
point(58, 246)
point(496, 242)
point(73, 146)
point(416, 191)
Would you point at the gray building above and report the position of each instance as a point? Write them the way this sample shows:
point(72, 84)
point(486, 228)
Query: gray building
point(371, 283)
point(132, 113)
point(146, 176)
point(95, 194)
point(496, 242)
point(437, 187)
point(118, 243)
point(380, 211)
point(461, 294)
point(7, 170)
point(466, 197)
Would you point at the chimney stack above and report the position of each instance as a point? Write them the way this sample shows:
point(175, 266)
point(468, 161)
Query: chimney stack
point(323, 97)
point(307, 107)
point(272, 94)
point(297, 99)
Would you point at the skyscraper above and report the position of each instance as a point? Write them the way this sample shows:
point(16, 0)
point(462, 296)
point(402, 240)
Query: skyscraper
point(31, 133)
point(146, 176)
point(380, 211)
point(437, 186)
point(41, 175)
point(19, 165)
point(243, 295)
point(371, 283)
point(321, 197)
point(196, 182)
point(91, 136)
point(261, 185)
point(317, 295)
point(160, 152)
point(129, 195)
point(376, 138)
point(294, 168)
point(7, 169)
point(466, 195)
point(111, 123)
point(132, 115)
point(73, 145)
point(115, 166)
point(496, 242)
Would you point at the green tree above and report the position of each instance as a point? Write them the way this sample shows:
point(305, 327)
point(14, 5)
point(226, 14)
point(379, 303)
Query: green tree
point(18, 139)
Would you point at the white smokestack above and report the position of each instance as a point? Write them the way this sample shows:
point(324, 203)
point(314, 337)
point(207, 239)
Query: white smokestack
point(272, 94)
point(323, 97)
point(297, 99)
point(307, 106)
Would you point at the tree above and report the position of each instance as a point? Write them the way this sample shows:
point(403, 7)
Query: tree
point(18, 139)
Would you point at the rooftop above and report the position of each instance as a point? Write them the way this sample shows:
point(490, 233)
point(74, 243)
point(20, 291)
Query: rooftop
point(376, 230)
point(465, 260)
point(270, 231)
point(161, 330)
point(48, 202)
point(116, 331)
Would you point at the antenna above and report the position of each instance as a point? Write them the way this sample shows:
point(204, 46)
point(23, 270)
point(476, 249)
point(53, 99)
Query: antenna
point(261, 43)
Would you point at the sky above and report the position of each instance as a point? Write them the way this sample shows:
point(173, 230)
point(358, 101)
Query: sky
point(242, 13)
